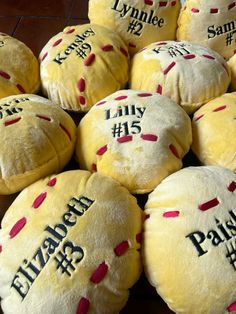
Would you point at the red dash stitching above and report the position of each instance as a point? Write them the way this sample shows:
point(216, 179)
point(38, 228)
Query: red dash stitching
point(212, 203)
point(189, 56)
point(107, 48)
point(149, 137)
point(9, 122)
point(5, 75)
point(162, 3)
point(99, 273)
point(199, 117)
point(171, 214)
point(124, 51)
point(94, 168)
point(43, 117)
point(232, 186)
point(20, 88)
point(52, 182)
point(70, 31)
point(161, 43)
point(231, 5)
point(57, 42)
point(194, 10)
point(18, 226)
point(170, 66)
point(0, 248)
point(139, 237)
point(121, 97)
point(126, 138)
point(159, 89)
point(208, 57)
point(232, 307)
point(39, 200)
point(44, 56)
point(121, 248)
point(101, 150)
point(81, 85)
point(214, 10)
point(173, 3)
point(65, 130)
point(219, 108)
point(148, 2)
point(89, 60)
point(82, 100)
point(83, 306)
point(131, 45)
point(174, 151)
point(144, 94)
point(101, 103)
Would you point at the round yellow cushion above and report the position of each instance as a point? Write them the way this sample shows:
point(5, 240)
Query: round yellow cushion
point(210, 23)
point(83, 64)
point(38, 139)
point(232, 66)
point(189, 74)
point(70, 244)
point(214, 132)
point(189, 240)
point(19, 68)
point(138, 22)
point(137, 138)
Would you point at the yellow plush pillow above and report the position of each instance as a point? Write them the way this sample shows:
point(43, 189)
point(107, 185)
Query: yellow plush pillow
point(214, 132)
point(189, 240)
point(135, 137)
point(19, 68)
point(138, 22)
point(211, 23)
point(232, 66)
point(38, 139)
point(70, 244)
point(189, 74)
point(83, 64)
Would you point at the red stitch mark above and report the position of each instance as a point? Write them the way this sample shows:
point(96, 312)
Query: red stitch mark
point(82, 100)
point(52, 182)
point(18, 226)
point(43, 117)
point(65, 130)
point(70, 31)
point(174, 151)
point(149, 137)
point(124, 51)
point(39, 200)
point(94, 168)
point(126, 138)
point(101, 150)
point(194, 10)
point(219, 108)
point(57, 42)
point(199, 117)
point(81, 85)
point(144, 94)
point(173, 3)
point(205, 206)
point(9, 122)
point(159, 89)
point(121, 97)
point(0, 248)
point(131, 45)
point(20, 88)
point(231, 5)
point(99, 273)
point(139, 237)
point(83, 306)
point(44, 56)
point(208, 57)
point(148, 2)
point(232, 186)
point(161, 43)
point(232, 307)
point(5, 75)
point(90, 59)
point(107, 48)
point(171, 214)
point(170, 66)
point(146, 217)
point(121, 248)
point(162, 3)
point(214, 10)
point(189, 56)
point(101, 103)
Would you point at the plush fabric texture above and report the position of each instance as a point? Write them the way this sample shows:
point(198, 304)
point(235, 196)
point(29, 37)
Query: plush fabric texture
point(38, 139)
point(214, 132)
point(210, 23)
point(137, 138)
point(189, 240)
point(82, 65)
point(139, 22)
point(189, 74)
point(232, 66)
point(70, 245)
point(19, 68)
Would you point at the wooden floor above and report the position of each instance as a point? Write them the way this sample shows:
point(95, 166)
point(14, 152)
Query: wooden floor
point(34, 23)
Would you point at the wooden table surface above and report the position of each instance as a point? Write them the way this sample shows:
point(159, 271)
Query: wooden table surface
point(34, 23)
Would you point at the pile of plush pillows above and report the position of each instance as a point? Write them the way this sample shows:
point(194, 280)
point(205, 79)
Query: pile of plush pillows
point(152, 80)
